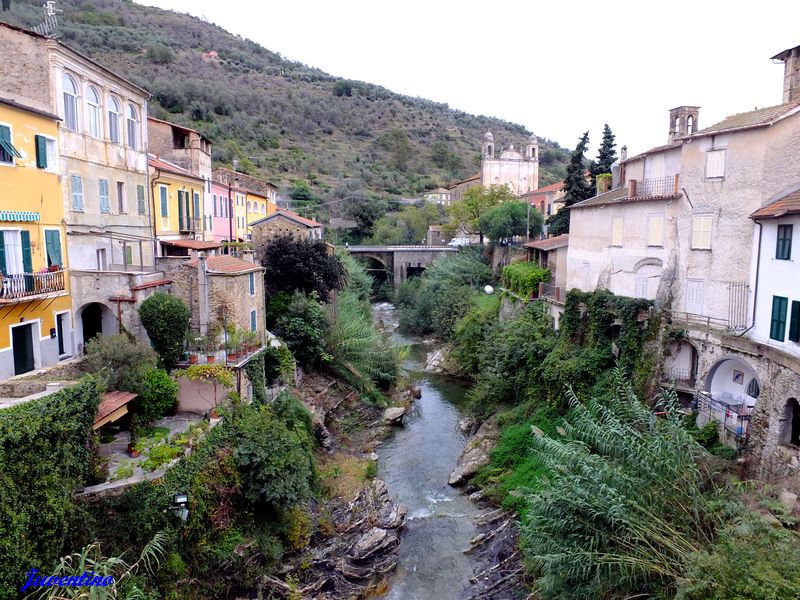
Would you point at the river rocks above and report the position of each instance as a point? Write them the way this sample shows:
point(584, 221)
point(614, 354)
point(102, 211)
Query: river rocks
point(788, 499)
point(475, 454)
point(416, 392)
point(467, 425)
point(394, 415)
point(435, 361)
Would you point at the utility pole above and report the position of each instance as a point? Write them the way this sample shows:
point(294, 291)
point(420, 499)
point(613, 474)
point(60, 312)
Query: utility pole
point(230, 204)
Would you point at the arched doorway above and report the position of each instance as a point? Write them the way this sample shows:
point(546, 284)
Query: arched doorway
point(731, 392)
point(96, 319)
point(791, 423)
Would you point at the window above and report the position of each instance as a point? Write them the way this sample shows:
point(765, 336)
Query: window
point(164, 201)
point(113, 120)
point(196, 205)
point(214, 205)
point(753, 389)
point(7, 150)
point(140, 199)
point(616, 231)
point(655, 230)
point(46, 153)
point(122, 204)
point(128, 254)
point(777, 328)
point(70, 102)
point(715, 164)
point(784, 249)
point(133, 127)
point(102, 263)
point(52, 242)
point(690, 124)
point(103, 188)
point(694, 296)
point(641, 287)
point(249, 206)
point(794, 322)
point(252, 284)
point(15, 252)
point(76, 186)
point(253, 324)
point(93, 112)
point(701, 232)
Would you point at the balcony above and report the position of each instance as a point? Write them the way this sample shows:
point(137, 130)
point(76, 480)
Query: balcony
point(731, 413)
point(24, 287)
point(188, 224)
point(551, 293)
point(655, 187)
point(684, 379)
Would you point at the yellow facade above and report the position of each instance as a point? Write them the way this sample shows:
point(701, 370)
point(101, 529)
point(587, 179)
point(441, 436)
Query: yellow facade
point(35, 305)
point(240, 214)
point(258, 207)
point(177, 204)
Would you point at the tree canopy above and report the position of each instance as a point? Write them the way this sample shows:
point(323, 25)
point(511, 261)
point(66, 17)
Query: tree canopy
point(467, 212)
point(505, 221)
point(165, 318)
point(301, 265)
point(576, 187)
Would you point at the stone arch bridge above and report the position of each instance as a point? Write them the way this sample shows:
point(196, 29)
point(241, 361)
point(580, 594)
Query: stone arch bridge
point(396, 263)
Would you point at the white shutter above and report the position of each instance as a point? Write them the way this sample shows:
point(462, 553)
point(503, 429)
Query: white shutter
point(694, 296)
point(715, 163)
point(701, 232)
point(655, 233)
point(641, 287)
point(77, 192)
point(616, 231)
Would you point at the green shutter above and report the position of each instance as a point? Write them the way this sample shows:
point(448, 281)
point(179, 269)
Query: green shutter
point(27, 258)
point(3, 270)
point(6, 146)
point(164, 209)
point(53, 244)
point(41, 151)
point(777, 330)
point(794, 322)
point(140, 199)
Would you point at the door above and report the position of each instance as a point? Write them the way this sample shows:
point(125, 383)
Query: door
point(60, 330)
point(92, 318)
point(22, 343)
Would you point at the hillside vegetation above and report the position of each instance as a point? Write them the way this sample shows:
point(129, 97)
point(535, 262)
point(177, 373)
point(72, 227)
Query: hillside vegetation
point(282, 119)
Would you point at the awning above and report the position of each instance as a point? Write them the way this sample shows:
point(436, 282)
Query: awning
point(113, 406)
point(18, 215)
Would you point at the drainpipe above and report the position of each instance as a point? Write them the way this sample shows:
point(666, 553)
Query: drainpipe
point(755, 287)
point(153, 215)
point(202, 285)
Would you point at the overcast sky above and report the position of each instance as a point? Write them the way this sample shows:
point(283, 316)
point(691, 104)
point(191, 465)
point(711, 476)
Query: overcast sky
point(558, 67)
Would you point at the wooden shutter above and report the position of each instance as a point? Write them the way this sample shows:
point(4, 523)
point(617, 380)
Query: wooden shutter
point(27, 258)
point(53, 245)
point(794, 322)
point(77, 192)
point(3, 270)
point(164, 208)
point(253, 326)
point(701, 232)
point(777, 330)
point(715, 163)
point(140, 199)
point(41, 152)
point(655, 235)
point(616, 231)
point(104, 205)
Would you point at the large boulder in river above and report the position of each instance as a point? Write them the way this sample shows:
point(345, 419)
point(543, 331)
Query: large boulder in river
point(475, 454)
point(394, 415)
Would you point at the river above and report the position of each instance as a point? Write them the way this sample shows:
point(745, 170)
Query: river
point(416, 462)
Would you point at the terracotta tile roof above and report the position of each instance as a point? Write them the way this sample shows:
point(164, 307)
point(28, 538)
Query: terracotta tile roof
point(288, 214)
point(25, 107)
point(192, 244)
point(668, 146)
point(151, 284)
point(110, 402)
point(176, 126)
point(620, 196)
point(754, 118)
point(786, 205)
point(163, 165)
point(227, 264)
point(553, 187)
point(559, 241)
point(467, 180)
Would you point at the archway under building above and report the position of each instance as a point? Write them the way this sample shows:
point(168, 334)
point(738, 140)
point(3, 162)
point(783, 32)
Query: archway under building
point(95, 319)
point(730, 394)
point(790, 433)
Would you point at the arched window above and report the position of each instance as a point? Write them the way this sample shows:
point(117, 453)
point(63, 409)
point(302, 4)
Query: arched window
point(133, 127)
point(93, 112)
point(677, 127)
point(690, 125)
point(791, 423)
point(249, 206)
point(263, 209)
point(753, 389)
point(70, 102)
point(113, 120)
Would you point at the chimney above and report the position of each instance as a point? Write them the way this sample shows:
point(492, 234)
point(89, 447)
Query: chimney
point(202, 284)
point(623, 154)
point(683, 121)
point(247, 255)
point(791, 73)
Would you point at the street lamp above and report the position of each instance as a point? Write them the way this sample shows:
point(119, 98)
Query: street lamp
point(180, 502)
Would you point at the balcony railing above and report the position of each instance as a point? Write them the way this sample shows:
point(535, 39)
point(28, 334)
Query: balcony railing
point(188, 224)
point(19, 286)
point(550, 291)
point(681, 376)
point(654, 187)
point(735, 418)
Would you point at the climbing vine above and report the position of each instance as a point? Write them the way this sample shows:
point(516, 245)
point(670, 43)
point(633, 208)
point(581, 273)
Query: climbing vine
point(255, 373)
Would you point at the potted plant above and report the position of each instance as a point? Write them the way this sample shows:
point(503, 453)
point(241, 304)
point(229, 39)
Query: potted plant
point(132, 449)
point(234, 343)
point(212, 343)
point(251, 340)
point(192, 343)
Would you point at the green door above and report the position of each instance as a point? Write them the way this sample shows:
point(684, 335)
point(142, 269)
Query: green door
point(22, 343)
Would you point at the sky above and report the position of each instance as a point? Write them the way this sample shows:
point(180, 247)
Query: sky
point(558, 68)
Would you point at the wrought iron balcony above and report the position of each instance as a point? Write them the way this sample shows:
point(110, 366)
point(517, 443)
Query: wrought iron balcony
point(188, 224)
point(683, 377)
point(22, 287)
point(654, 187)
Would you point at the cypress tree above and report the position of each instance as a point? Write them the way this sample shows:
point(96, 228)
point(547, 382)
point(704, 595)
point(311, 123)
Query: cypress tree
point(576, 187)
point(607, 153)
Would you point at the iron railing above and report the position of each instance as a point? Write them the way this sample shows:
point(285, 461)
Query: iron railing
point(654, 186)
point(738, 297)
point(23, 285)
point(550, 291)
point(685, 376)
point(735, 418)
point(188, 224)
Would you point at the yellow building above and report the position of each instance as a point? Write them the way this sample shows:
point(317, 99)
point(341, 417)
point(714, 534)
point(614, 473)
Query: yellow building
point(258, 207)
point(240, 214)
point(177, 204)
point(35, 305)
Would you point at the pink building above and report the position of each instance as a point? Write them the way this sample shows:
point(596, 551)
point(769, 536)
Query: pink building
point(221, 212)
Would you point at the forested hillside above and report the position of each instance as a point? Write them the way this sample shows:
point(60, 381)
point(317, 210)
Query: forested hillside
point(282, 119)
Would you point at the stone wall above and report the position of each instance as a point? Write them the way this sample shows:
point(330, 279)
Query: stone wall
point(26, 78)
point(267, 230)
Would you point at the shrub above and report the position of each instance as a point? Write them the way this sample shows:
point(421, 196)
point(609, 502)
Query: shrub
point(523, 278)
point(302, 326)
point(123, 362)
point(165, 318)
point(301, 266)
point(157, 397)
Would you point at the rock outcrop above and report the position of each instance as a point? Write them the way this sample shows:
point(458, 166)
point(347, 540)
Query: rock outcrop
point(475, 454)
point(394, 415)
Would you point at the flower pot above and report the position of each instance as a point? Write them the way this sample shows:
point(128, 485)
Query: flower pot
point(133, 451)
point(211, 358)
point(214, 413)
point(232, 356)
point(193, 359)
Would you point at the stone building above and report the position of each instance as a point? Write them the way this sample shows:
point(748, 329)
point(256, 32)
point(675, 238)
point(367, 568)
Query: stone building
point(283, 222)
point(438, 196)
point(458, 188)
point(678, 230)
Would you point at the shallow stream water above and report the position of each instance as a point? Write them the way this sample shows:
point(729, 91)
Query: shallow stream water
point(416, 462)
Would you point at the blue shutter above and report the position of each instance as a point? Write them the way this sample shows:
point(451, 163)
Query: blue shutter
point(3, 270)
point(252, 284)
point(52, 239)
point(164, 208)
point(777, 329)
point(253, 321)
point(794, 322)
point(140, 199)
point(77, 192)
point(104, 205)
point(41, 152)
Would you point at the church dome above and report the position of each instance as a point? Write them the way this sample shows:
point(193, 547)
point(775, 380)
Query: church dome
point(511, 153)
point(488, 137)
point(533, 139)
